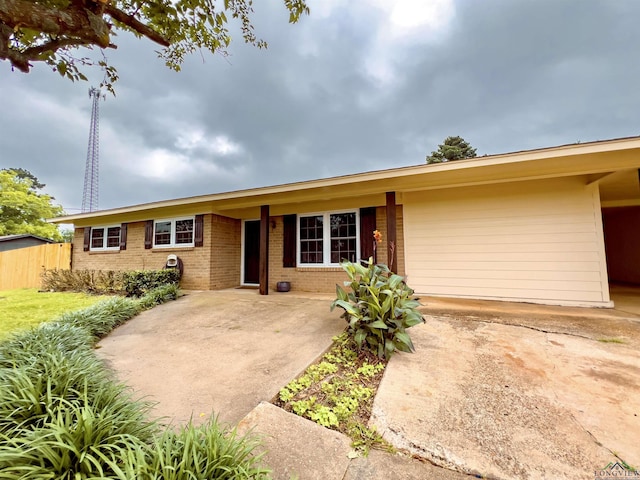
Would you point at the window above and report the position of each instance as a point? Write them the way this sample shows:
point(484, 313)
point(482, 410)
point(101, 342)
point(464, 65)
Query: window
point(105, 238)
point(173, 233)
point(329, 238)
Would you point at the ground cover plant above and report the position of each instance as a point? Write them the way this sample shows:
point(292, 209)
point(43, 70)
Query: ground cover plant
point(337, 392)
point(26, 308)
point(64, 416)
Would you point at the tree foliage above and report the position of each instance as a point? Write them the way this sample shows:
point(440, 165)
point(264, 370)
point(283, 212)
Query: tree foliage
point(23, 209)
point(453, 148)
point(52, 31)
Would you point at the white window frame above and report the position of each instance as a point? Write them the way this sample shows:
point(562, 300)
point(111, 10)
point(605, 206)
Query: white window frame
point(172, 243)
point(104, 247)
point(326, 237)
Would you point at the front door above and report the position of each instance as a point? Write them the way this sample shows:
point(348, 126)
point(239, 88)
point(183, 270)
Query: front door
point(252, 252)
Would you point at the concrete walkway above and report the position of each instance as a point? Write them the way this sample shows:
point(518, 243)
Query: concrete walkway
point(222, 352)
point(494, 389)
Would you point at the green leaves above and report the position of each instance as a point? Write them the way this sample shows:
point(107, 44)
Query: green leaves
point(180, 26)
point(378, 308)
point(23, 209)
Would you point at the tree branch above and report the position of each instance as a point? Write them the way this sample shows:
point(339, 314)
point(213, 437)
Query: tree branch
point(135, 24)
point(74, 21)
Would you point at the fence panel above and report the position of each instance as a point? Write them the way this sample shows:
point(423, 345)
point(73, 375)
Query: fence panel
point(22, 267)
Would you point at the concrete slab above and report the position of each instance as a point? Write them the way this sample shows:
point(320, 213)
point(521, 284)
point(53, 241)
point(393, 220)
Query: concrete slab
point(397, 467)
point(219, 351)
point(296, 447)
point(509, 401)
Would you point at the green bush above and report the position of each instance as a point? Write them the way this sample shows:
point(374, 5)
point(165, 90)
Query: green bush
point(378, 308)
point(133, 284)
point(139, 282)
point(158, 296)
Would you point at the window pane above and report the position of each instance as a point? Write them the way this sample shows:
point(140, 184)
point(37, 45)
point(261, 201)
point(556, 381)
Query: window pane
point(184, 231)
point(113, 237)
point(343, 250)
point(97, 237)
point(343, 237)
point(311, 239)
point(163, 233)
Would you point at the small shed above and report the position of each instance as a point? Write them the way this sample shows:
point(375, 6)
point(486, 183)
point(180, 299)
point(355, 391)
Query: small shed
point(12, 242)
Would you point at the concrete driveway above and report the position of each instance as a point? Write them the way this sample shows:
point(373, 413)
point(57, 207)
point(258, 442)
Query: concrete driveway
point(516, 391)
point(221, 351)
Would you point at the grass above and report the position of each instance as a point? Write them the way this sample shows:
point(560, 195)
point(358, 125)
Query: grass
point(26, 308)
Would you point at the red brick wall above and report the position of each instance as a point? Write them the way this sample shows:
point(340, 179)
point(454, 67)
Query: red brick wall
point(324, 279)
point(198, 261)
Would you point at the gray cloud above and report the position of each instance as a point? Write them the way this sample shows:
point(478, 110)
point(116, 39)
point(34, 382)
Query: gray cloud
point(335, 94)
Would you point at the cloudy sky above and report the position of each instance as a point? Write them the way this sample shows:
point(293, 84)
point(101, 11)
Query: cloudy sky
point(358, 85)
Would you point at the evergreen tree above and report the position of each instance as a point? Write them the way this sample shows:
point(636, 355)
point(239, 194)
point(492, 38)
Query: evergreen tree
point(453, 148)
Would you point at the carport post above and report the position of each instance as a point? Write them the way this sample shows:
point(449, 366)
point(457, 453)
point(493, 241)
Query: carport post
point(264, 250)
point(391, 232)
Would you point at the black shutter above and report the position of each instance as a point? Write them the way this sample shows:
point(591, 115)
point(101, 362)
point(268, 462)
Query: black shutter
point(199, 231)
point(148, 234)
point(87, 239)
point(367, 226)
point(289, 242)
point(123, 236)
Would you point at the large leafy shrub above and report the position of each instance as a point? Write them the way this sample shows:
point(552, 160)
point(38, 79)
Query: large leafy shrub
point(139, 282)
point(378, 307)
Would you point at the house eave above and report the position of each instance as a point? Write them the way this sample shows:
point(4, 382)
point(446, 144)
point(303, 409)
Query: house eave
point(589, 159)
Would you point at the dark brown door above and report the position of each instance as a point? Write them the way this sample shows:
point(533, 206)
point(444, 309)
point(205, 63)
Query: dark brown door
point(252, 251)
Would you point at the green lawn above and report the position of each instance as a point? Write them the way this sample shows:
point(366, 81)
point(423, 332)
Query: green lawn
point(25, 308)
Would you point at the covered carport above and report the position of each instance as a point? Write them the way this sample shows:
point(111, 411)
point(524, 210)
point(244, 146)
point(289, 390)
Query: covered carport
point(620, 200)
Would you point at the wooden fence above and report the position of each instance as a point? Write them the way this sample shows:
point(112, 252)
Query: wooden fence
point(22, 267)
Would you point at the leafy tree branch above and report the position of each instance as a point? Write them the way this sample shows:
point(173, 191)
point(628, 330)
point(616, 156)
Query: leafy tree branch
point(51, 31)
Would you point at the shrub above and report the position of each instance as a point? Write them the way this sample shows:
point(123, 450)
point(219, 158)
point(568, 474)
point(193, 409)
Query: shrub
point(158, 296)
point(87, 281)
point(378, 308)
point(133, 284)
point(139, 282)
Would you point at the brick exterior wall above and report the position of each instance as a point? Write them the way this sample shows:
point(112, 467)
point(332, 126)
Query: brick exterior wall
point(324, 279)
point(216, 265)
point(225, 252)
point(199, 262)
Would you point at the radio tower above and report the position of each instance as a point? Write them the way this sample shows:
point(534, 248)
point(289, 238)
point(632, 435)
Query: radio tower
point(91, 181)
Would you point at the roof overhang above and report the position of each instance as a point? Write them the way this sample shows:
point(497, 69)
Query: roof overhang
point(598, 161)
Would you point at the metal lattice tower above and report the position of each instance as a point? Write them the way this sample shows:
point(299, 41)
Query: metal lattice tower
point(91, 180)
